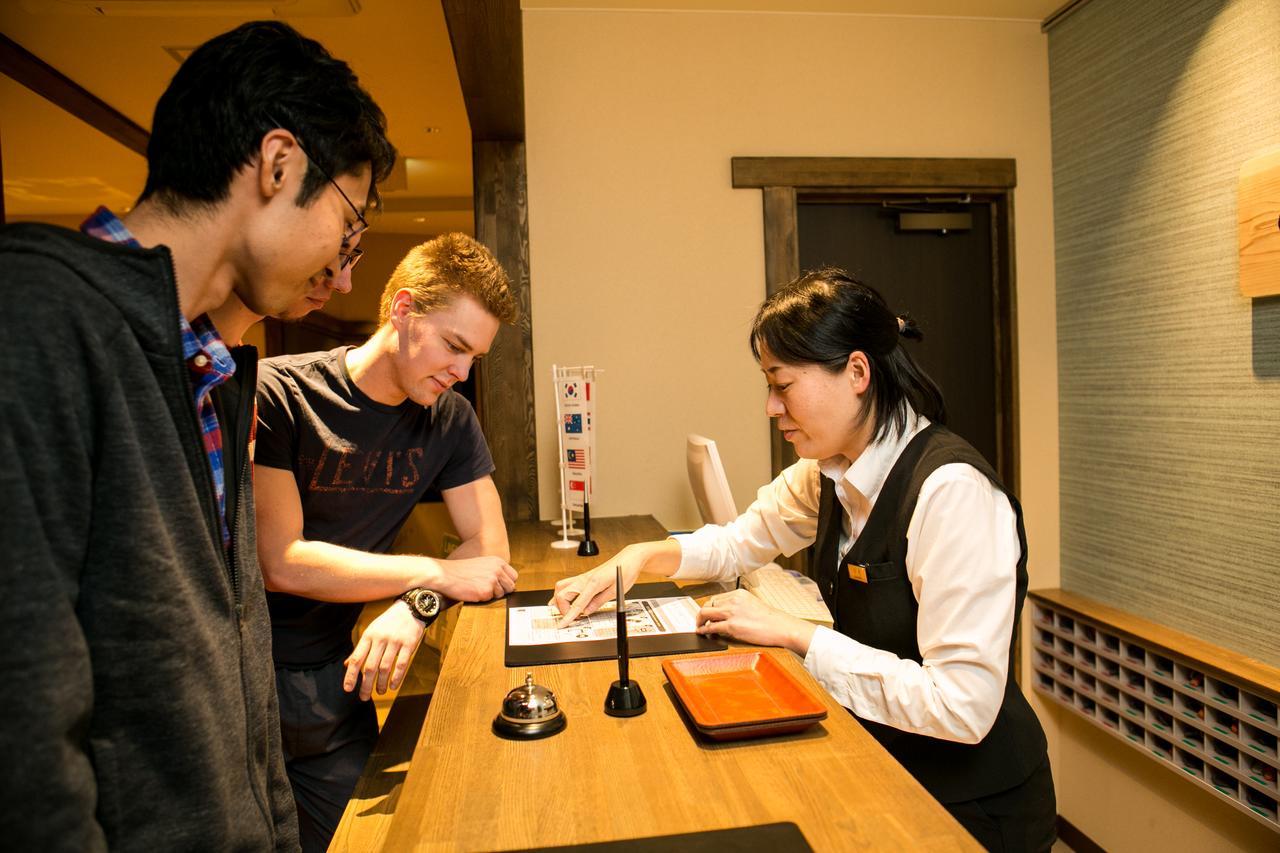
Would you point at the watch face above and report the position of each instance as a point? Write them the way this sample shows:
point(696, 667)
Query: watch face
point(426, 602)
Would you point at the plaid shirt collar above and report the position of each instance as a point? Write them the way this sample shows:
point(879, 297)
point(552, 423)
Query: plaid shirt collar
point(199, 337)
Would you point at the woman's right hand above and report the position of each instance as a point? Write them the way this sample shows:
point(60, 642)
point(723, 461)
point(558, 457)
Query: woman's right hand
point(584, 594)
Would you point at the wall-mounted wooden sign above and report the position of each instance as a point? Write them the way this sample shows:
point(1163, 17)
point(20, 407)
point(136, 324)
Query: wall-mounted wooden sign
point(1259, 219)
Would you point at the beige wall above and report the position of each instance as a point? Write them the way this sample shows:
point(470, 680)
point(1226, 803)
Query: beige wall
point(645, 262)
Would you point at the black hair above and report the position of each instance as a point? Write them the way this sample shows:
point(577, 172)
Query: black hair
point(823, 316)
point(237, 87)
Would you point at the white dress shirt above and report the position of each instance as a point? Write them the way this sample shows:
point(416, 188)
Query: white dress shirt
point(962, 555)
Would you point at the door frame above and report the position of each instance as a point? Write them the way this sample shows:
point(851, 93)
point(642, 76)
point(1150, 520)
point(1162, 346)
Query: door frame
point(786, 181)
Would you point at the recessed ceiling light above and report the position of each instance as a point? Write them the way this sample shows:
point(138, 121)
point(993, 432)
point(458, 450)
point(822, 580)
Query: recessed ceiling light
point(419, 219)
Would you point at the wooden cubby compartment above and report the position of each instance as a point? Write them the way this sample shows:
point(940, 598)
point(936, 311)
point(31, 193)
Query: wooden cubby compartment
point(1185, 704)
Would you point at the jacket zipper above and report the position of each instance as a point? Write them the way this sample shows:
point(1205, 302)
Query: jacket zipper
point(247, 376)
point(244, 428)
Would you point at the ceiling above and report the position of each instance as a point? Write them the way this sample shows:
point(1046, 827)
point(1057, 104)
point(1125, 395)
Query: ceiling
point(1018, 10)
point(57, 168)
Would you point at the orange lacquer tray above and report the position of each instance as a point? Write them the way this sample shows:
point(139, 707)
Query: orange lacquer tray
point(741, 694)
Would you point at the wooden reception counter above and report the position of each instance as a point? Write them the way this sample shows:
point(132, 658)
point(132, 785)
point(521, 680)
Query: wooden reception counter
point(448, 783)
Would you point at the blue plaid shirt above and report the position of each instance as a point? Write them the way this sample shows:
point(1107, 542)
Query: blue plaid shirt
point(209, 363)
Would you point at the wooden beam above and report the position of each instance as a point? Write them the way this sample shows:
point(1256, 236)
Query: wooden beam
point(488, 49)
point(781, 244)
point(49, 83)
point(504, 385)
point(1005, 304)
point(880, 172)
point(781, 267)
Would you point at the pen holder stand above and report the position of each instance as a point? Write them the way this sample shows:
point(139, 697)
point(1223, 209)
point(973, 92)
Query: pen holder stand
point(588, 546)
point(625, 700)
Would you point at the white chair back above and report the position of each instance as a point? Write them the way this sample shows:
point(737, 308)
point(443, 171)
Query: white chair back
point(709, 483)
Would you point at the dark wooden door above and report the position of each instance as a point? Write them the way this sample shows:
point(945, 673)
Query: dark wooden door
point(944, 280)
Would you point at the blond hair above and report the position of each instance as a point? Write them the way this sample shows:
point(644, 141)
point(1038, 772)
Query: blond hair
point(437, 271)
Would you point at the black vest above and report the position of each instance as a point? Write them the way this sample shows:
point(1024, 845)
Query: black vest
point(882, 613)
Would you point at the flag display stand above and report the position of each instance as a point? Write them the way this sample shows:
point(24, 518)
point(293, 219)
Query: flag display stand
point(576, 396)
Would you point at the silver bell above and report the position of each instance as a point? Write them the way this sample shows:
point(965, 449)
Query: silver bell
point(530, 711)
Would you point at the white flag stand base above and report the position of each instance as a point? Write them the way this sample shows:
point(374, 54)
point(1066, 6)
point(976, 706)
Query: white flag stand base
point(565, 525)
point(566, 528)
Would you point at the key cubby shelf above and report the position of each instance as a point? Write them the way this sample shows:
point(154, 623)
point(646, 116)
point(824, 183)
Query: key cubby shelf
point(1204, 712)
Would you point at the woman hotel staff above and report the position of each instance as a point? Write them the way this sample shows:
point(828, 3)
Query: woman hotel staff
point(918, 548)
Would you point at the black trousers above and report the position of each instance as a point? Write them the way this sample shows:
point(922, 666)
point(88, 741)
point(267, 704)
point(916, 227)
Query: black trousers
point(327, 736)
point(1023, 819)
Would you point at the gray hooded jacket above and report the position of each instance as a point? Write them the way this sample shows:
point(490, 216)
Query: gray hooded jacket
point(139, 709)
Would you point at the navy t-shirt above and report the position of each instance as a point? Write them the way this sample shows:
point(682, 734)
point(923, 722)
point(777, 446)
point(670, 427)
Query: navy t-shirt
point(360, 466)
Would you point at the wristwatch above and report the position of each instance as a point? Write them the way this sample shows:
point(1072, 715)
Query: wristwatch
point(425, 604)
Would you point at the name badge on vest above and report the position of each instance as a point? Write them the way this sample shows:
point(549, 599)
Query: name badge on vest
point(856, 572)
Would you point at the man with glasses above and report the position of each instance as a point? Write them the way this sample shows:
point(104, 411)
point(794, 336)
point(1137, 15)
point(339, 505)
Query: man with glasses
point(348, 442)
point(132, 611)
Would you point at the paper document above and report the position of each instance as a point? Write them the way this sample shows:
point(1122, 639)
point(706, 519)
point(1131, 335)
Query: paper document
point(646, 617)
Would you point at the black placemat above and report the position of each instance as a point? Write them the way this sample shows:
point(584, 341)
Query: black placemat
point(774, 837)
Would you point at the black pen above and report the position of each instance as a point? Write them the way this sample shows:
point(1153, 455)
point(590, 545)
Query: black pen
point(624, 674)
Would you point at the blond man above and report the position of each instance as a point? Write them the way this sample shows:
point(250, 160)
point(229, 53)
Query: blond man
point(348, 442)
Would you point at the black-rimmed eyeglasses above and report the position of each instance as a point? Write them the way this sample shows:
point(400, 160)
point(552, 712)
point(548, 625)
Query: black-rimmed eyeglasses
point(361, 225)
point(350, 258)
